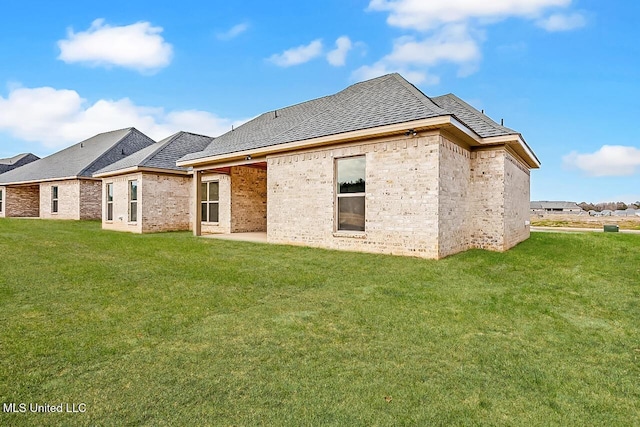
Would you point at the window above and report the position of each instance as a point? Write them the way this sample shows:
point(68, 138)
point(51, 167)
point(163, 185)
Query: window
point(350, 193)
point(110, 202)
point(133, 201)
point(209, 201)
point(54, 199)
point(1, 191)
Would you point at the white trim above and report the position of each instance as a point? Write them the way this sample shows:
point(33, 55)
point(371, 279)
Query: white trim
point(133, 169)
point(260, 152)
point(43, 181)
point(505, 139)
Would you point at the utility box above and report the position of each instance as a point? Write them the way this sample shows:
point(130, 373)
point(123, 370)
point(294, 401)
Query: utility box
point(611, 228)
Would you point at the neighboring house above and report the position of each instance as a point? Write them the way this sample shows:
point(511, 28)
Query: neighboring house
point(61, 186)
point(146, 191)
point(555, 207)
point(378, 167)
point(625, 212)
point(16, 161)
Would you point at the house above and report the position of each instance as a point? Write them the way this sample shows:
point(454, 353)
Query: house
point(146, 191)
point(377, 167)
point(543, 207)
point(11, 163)
point(61, 186)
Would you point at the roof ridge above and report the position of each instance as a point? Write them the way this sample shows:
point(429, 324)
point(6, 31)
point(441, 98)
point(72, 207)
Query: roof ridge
point(381, 80)
point(413, 89)
point(129, 132)
point(163, 145)
point(197, 134)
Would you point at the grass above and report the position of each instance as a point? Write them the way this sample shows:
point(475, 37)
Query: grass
point(168, 329)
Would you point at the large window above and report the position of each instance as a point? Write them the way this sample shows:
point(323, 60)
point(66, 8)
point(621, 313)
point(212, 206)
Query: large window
point(133, 201)
point(110, 201)
point(350, 193)
point(210, 201)
point(54, 199)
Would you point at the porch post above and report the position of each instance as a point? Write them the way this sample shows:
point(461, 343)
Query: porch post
point(197, 217)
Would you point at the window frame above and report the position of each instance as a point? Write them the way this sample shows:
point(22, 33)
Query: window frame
point(207, 202)
point(109, 203)
point(55, 199)
point(339, 196)
point(1, 199)
point(132, 203)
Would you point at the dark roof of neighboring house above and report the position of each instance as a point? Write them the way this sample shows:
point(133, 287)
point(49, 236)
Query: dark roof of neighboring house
point(16, 161)
point(81, 159)
point(479, 122)
point(162, 154)
point(385, 100)
point(554, 205)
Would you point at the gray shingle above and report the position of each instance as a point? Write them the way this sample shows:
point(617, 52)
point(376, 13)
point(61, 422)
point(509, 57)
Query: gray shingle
point(472, 118)
point(16, 161)
point(81, 159)
point(163, 154)
point(377, 102)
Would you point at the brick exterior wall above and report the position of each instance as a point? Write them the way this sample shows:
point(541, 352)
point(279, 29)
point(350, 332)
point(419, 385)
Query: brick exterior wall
point(487, 201)
point(516, 204)
point(428, 196)
point(248, 199)
point(90, 199)
point(401, 197)
point(453, 198)
point(165, 202)
point(120, 220)
point(68, 199)
point(21, 202)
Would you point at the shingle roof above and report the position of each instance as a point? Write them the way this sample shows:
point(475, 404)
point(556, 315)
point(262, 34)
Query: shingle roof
point(16, 161)
point(472, 118)
point(385, 100)
point(81, 159)
point(162, 154)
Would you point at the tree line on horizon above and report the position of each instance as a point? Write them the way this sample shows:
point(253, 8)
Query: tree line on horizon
point(612, 206)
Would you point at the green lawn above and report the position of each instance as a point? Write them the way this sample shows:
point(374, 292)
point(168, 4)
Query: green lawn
point(168, 329)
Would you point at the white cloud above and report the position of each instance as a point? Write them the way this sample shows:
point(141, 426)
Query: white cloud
point(561, 22)
point(233, 32)
point(414, 57)
point(379, 68)
point(338, 56)
point(298, 55)
point(425, 15)
point(58, 117)
point(137, 46)
point(609, 160)
point(452, 44)
point(452, 31)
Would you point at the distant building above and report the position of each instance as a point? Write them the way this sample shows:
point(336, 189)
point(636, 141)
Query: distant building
point(541, 207)
point(146, 192)
point(61, 186)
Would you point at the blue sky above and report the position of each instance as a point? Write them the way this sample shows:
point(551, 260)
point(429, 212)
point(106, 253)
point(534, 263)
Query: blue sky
point(563, 73)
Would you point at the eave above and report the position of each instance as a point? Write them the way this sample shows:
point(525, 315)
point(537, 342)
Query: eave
point(449, 123)
point(134, 169)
